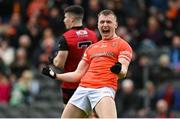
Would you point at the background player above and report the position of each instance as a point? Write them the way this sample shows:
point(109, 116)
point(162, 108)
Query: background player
point(72, 45)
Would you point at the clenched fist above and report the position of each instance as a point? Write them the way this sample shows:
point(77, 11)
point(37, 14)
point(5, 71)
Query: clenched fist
point(49, 72)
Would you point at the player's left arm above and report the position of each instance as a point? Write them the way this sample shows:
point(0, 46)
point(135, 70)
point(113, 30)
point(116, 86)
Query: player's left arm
point(124, 59)
point(124, 67)
point(121, 67)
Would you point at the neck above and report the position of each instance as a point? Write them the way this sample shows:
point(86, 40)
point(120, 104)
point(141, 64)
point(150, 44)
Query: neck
point(77, 24)
point(115, 35)
point(108, 38)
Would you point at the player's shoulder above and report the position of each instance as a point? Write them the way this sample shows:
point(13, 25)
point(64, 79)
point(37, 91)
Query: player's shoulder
point(85, 28)
point(74, 31)
point(68, 32)
point(125, 44)
point(121, 40)
point(91, 32)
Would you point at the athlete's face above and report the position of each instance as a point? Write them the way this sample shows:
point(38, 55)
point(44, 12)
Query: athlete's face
point(107, 26)
point(68, 20)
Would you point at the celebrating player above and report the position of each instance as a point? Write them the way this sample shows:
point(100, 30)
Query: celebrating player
point(98, 71)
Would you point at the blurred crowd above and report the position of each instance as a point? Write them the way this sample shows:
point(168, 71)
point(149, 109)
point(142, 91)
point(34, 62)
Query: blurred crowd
point(29, 31)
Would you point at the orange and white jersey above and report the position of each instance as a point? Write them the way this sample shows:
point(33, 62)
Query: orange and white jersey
point(101, 56)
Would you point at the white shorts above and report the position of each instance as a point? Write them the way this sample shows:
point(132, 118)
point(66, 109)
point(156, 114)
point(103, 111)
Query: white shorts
point(87, 98)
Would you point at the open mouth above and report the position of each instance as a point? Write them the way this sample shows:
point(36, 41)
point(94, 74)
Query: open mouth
point(105, 31)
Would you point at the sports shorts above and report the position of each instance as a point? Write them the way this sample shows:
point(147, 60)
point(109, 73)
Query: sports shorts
point(87, 98)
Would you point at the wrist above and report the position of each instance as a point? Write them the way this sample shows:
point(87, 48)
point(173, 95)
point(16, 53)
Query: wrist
point(116, 68)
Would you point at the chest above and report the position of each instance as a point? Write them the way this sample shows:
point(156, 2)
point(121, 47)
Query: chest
point(105, 49)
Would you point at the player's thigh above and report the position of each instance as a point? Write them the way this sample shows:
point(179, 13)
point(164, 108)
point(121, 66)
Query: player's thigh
point(106, 108)
point(71, 111)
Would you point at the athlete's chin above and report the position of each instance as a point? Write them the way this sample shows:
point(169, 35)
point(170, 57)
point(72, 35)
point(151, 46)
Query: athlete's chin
point(106, 37)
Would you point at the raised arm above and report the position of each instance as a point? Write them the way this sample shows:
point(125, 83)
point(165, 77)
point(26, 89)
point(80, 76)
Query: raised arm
point(121, 67)
point(124, 67)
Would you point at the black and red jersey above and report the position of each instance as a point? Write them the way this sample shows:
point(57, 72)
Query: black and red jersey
point(75, 40)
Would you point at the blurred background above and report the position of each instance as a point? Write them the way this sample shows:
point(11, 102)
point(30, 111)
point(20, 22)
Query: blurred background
point(28, 36)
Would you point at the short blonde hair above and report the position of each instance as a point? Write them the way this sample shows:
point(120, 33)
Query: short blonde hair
point(107, 12)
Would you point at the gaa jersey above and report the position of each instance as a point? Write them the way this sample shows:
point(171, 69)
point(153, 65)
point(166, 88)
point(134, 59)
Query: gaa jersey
point(75, 40)
point(101, 56)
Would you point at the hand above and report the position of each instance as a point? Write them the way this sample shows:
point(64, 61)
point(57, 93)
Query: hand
point(57, 70)
point(116, 68)
point(49, 72)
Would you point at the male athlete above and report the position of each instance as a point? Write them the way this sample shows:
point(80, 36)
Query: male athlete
point(98, 72)
point(72, 45)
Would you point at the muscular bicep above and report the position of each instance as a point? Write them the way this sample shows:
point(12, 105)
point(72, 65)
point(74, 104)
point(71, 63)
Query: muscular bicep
point(60, 59)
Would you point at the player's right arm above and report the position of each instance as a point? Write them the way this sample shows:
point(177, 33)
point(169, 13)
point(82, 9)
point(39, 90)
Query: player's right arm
point(76, 75)
point(60, 59)
point(70, 76)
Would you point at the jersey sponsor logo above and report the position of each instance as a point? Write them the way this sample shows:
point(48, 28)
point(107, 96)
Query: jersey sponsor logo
point(111, 54)
point(82, 33)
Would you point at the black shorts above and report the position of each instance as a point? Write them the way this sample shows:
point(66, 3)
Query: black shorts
point(67, 94)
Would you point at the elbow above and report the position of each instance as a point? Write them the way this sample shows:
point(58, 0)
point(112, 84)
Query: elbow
point(77, 76)
point(57, 63)
point(124, 75)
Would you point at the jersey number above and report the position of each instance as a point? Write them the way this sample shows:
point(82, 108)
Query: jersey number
point(84, 44)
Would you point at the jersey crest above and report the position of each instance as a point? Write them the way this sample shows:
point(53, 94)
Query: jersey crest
point(82, 33)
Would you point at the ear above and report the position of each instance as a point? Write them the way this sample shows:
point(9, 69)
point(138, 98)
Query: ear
point(116, 25)
point(73, 18)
